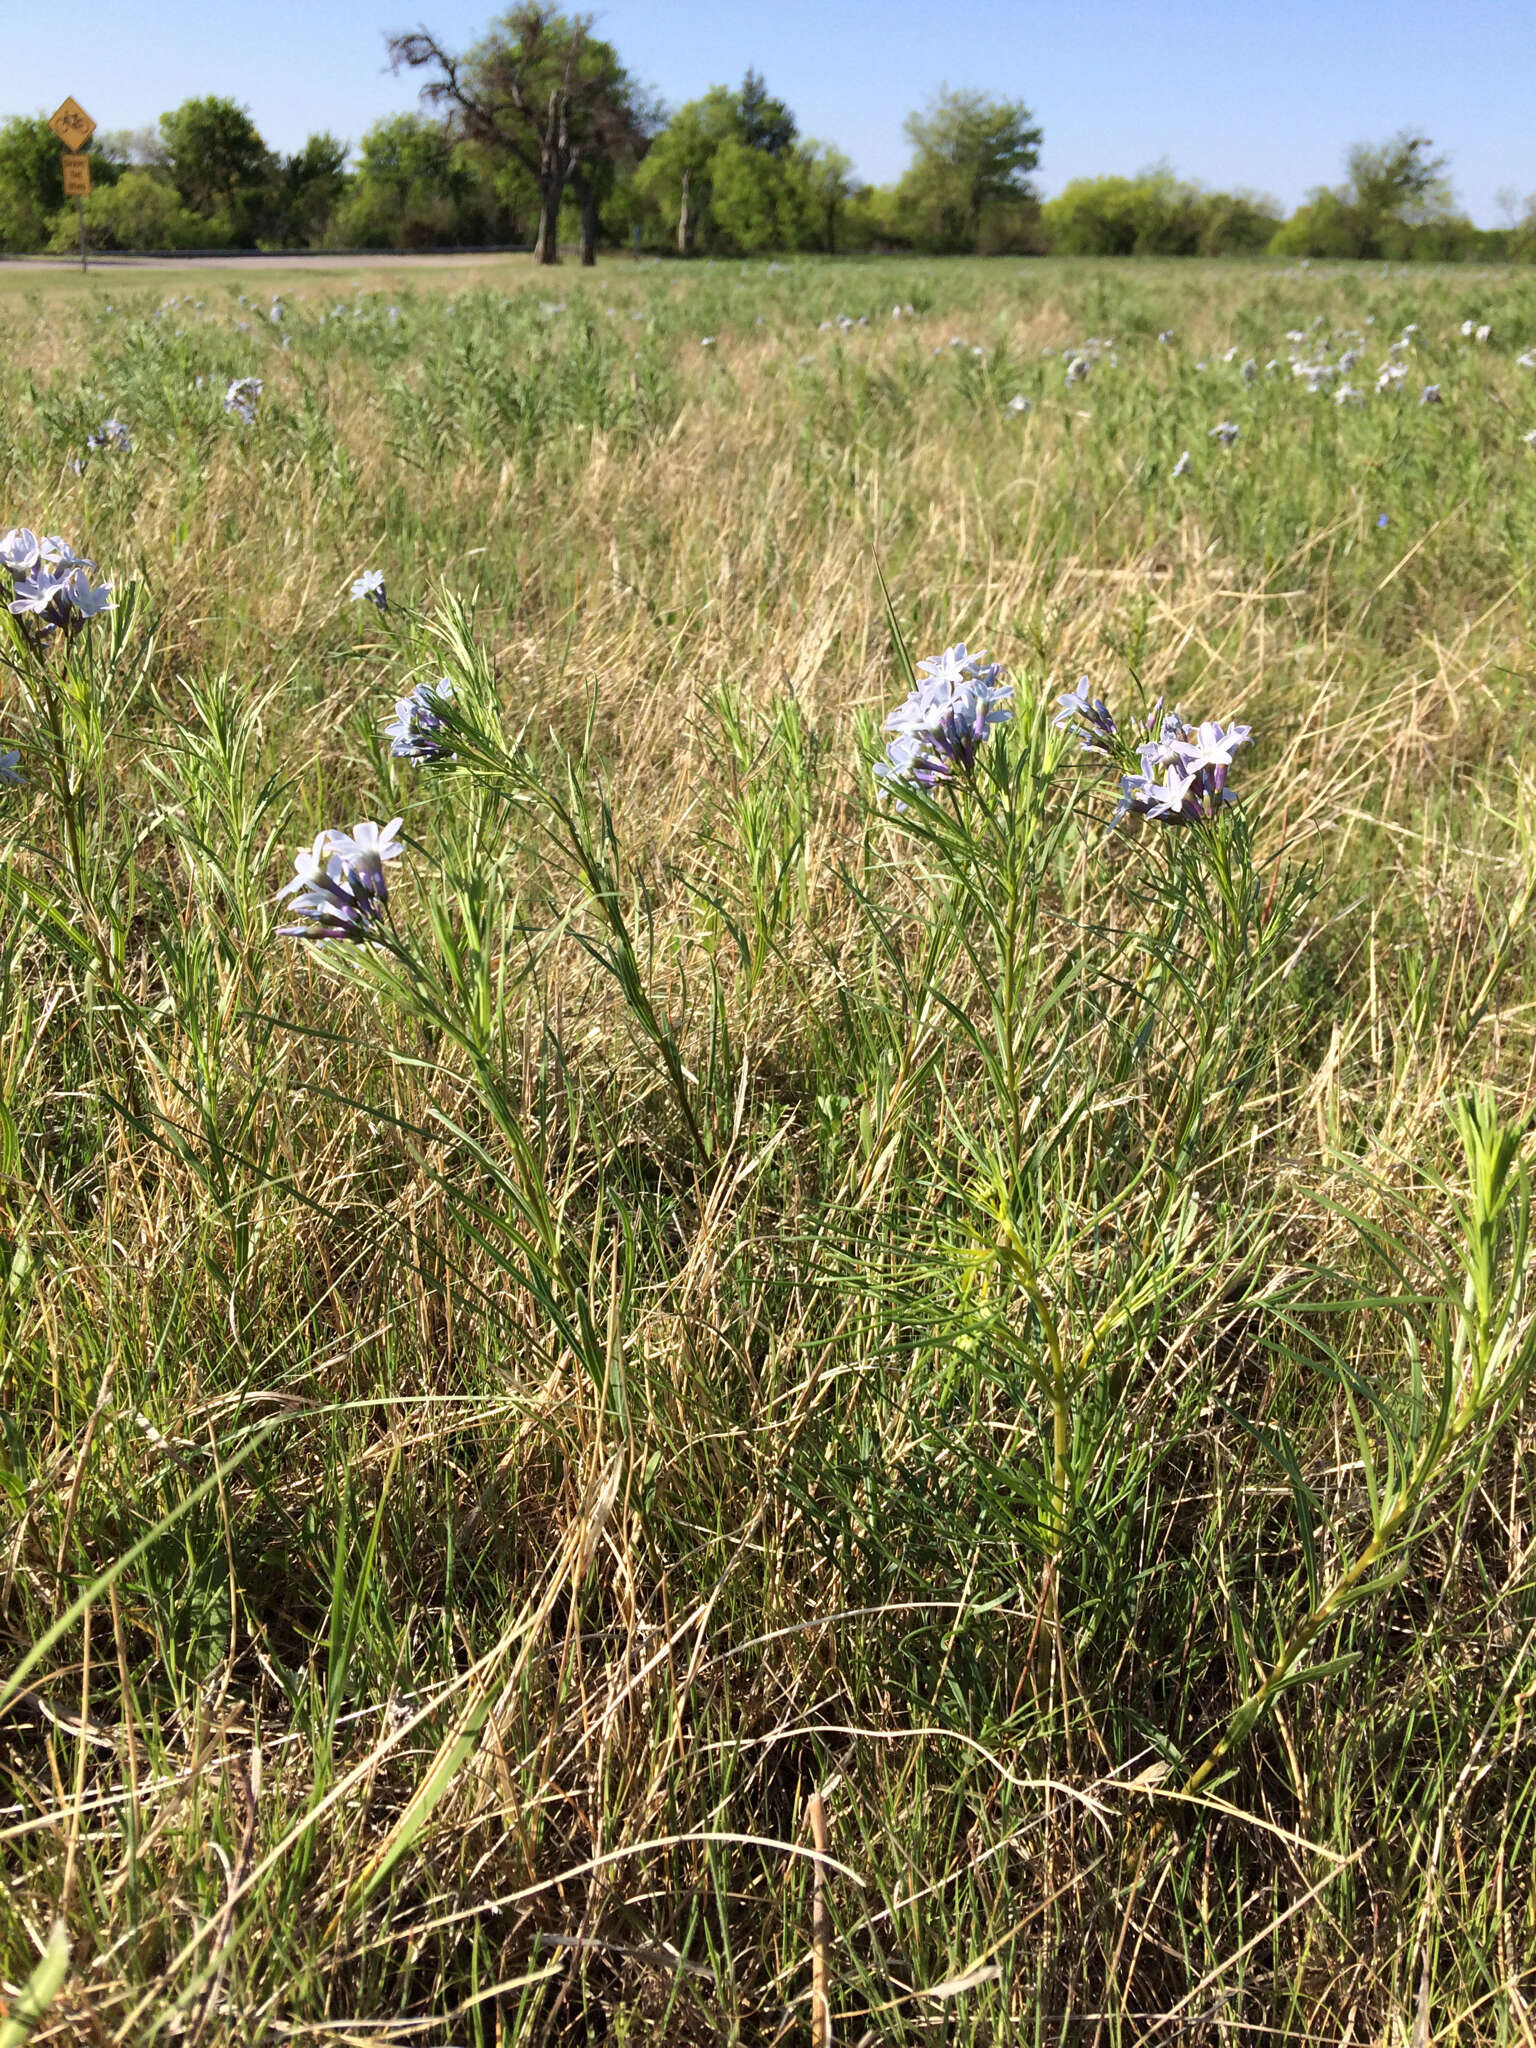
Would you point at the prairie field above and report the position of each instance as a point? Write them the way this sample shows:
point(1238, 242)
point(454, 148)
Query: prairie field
point(710, 1396)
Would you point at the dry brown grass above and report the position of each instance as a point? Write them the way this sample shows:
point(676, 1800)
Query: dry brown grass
point(429, 1677)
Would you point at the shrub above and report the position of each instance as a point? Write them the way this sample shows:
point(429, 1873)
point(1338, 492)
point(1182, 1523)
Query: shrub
point(141, 211)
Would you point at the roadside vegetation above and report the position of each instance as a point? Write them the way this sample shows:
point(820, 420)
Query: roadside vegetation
point(537, 135)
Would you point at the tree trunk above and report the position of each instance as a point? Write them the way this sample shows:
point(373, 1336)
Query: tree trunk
point(682, 216)
point(589, 222)
point(547, 248)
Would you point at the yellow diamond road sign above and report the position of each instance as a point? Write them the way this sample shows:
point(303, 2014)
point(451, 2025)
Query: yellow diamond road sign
point(73, 125)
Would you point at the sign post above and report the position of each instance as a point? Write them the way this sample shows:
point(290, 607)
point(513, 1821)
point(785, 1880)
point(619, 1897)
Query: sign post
point(74, 128)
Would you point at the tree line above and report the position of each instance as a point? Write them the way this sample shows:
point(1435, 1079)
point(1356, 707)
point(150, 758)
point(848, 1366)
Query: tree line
point(539, 136)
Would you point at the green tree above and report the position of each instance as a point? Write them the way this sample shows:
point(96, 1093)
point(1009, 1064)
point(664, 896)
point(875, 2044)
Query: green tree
point(726, 166)
point(32, 180)
point(1109, 216)
point(414, 189)
point(1522, 232)
point(1236, 223)
point(313, 181)
point(138, 149)
point(219, 164)
point(827, 182)
point(969, 151)
point(766, 123)
point(1394, 192)
point(1327, 223)
point(676, 174)
point(759, 201)
point(542, 90)
point(1155, 214)
point(1398, 181)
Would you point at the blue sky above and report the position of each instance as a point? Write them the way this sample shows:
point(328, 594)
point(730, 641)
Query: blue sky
point(1267, 96)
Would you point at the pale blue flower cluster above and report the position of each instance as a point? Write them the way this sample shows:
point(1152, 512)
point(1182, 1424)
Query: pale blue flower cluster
point(415, 732)
point(49, 582)
point(339, 887)
point(959, 700)
point(111, 434)
point(1088, 716)
point(1183, 773)
point(369, 589)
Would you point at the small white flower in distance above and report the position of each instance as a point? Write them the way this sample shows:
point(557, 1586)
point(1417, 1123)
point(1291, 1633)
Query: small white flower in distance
point(1018, 403)
point(1483, 333)
point(241, 398)
point(1181, 467)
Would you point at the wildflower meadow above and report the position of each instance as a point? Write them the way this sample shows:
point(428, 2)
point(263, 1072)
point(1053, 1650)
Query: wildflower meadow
point(767, 1040)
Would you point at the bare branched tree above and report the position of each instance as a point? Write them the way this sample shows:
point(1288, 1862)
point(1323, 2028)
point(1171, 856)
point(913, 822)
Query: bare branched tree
point(544, 91)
